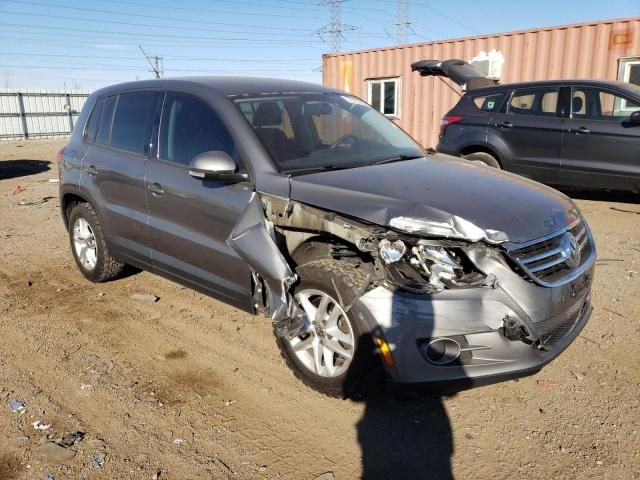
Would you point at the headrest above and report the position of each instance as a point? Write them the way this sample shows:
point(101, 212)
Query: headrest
point(577, 104)
point(267, 113)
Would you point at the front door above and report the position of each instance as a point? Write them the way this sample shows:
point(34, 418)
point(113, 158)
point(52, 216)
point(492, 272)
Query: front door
point(531, 131)
point(190, 219)
point(601, 146)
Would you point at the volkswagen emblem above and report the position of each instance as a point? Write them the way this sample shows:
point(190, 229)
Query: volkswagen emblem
point(570, 250)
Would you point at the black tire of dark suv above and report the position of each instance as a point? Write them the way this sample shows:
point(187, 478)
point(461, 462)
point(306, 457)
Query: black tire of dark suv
point(105, 267)
point(483, 157)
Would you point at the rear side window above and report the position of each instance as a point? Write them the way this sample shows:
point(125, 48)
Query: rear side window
point(92, 124)
point(189, 127)
point(489, 103)
point(540, 102)
point(132, 121)
point(104, 124)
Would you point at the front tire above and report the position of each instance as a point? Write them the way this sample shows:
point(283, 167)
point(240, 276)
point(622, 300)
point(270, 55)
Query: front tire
point(483, 157)
point(88, 245)
point(337, 352)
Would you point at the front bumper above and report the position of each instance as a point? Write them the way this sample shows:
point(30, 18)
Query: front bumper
point(475, 318)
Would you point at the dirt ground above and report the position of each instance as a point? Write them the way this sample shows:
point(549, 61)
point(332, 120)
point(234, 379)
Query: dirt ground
point(189, 388)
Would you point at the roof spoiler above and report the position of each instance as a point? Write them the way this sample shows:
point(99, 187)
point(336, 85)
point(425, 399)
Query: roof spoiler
point(461, 72)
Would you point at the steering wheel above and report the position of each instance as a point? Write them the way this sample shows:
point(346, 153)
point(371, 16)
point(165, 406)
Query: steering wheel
point(343, 139)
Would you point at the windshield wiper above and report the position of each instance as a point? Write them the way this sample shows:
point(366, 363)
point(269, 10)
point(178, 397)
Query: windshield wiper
point(322, 168)
point(399, 158)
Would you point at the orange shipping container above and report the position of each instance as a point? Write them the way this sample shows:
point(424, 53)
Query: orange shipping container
point(608, 50)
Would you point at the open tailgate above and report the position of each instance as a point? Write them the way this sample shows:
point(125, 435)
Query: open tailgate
point(461, 72)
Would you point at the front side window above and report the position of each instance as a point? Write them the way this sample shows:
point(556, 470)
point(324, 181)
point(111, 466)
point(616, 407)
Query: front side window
point(384, 95)
point(132, 121)
point(591, 103)
point(322, 131)
point(189, 127)
point(538, 101)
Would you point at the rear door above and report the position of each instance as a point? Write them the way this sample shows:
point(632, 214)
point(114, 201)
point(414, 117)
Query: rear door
point(601, 147)
point(190, 219)
point(530, 131)
point(115, 169)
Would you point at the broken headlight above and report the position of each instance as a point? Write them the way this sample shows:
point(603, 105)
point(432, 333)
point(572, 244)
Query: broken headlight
point(431, 267)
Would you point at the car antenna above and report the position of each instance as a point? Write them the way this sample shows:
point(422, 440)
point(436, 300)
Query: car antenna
point(451, 87)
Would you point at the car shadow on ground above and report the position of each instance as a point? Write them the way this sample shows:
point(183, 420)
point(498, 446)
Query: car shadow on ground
point(22, 168)
point(619, 196)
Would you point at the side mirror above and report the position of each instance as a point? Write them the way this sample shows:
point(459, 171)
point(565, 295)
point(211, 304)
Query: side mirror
point(215, 165)
point(635, 117)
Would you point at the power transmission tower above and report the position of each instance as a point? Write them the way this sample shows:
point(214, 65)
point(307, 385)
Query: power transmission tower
point(335, 28)
point(157, 67)
point(403, 23)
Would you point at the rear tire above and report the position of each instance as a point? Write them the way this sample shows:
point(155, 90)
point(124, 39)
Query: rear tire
point(483, 157)
point(329, 374)
point(88, 245)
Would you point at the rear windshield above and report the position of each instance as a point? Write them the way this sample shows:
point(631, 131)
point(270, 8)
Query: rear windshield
point(303, 131)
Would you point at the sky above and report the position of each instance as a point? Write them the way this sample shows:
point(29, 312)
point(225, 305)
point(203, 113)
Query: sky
point(92, 43)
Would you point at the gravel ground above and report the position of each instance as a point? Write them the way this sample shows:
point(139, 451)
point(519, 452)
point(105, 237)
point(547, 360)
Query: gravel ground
point(189, 388)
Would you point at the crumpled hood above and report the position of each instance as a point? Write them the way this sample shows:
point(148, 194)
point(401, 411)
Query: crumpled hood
point(436, 189)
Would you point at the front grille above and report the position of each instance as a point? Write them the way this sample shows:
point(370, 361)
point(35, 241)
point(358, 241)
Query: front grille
point(547, 261)
point(553, 329)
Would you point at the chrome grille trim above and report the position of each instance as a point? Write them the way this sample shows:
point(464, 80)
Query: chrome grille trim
point(541, 260)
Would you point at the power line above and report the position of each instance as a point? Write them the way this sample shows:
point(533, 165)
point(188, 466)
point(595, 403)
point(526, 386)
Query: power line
point(116, 68)
point(216, 12)
point(160, 35)
point(178, 58)
point(168, 27)
point(451, 19)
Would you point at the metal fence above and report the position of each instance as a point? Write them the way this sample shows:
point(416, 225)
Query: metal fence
point(39, 113)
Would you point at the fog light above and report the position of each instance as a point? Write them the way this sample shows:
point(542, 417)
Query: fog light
point(441, 351)
point(392, 252)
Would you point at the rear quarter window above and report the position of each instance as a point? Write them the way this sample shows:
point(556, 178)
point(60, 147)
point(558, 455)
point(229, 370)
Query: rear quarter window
point(489, 103)
point(92, 124)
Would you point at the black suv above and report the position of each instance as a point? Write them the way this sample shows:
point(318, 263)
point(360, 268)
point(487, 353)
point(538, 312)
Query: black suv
point(563, 132)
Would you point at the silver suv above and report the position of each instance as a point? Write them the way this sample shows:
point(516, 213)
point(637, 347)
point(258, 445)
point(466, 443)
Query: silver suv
point(305, 204)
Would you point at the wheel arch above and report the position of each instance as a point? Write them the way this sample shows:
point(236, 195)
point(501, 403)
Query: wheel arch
point(483, 148)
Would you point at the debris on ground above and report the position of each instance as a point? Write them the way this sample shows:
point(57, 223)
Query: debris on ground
point(54, 453)
point(98, 459)
point(71, 439)
point(145, 298)
point(230, 402)
point(39, 425)
point(624, 210)
point(545, 382)
point(17, 406)
point(18, 189)
point(325, 476)
point(54, 180)
point(178, 441)
point(48, 476)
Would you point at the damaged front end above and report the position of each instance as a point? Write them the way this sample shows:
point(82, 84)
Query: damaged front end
point(447, 297)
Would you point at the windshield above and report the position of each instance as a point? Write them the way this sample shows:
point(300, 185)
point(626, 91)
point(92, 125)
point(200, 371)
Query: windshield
point(306, 132)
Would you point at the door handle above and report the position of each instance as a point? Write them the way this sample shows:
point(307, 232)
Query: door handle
point(92, 170)
point(156, 189)
point(580, 131)
point(504, 125)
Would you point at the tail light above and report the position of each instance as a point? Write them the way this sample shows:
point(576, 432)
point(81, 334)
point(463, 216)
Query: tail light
point(60, 154)
point(448, 120)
